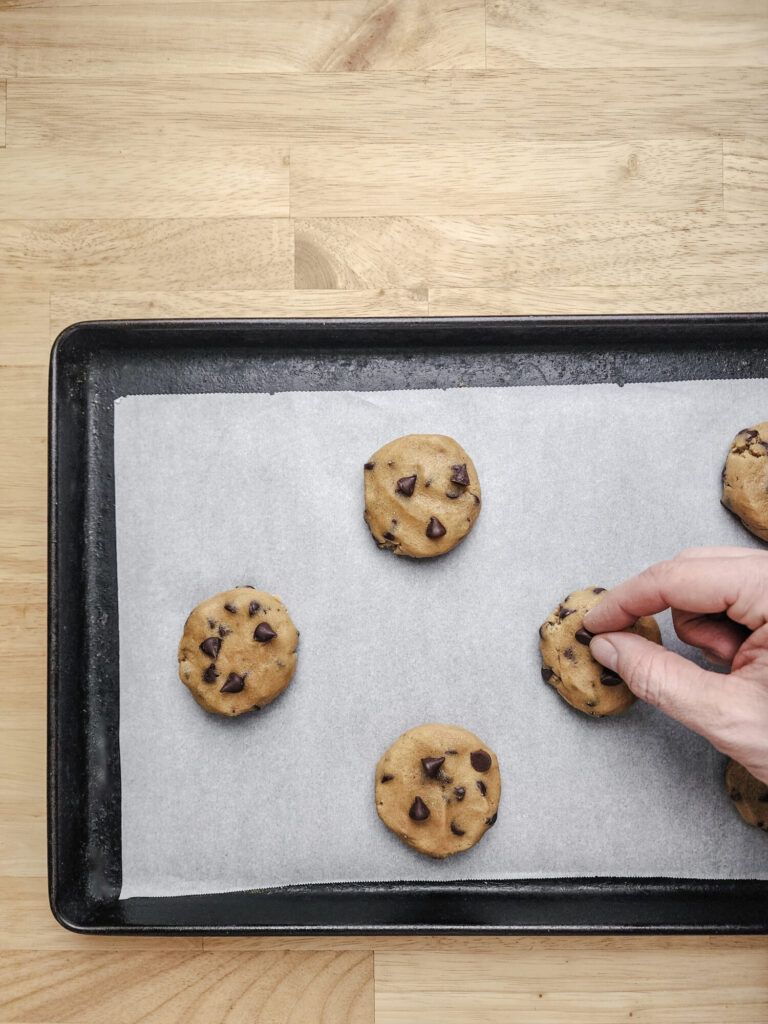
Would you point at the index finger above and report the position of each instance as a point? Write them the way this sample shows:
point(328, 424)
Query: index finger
point(706, 585)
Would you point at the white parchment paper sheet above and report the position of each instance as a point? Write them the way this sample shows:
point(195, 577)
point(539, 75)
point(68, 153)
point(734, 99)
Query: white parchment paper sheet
point(582, 485)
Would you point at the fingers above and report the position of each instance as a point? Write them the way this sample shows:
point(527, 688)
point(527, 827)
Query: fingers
point(705, 585)
point(695, 697)
point(716, 635)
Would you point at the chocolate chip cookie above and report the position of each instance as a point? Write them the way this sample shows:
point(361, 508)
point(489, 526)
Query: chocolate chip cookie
point(238, 651)
point(567, 664)
point(745, 479)
point(422, 495)
point(749, 795)
point(438, 789)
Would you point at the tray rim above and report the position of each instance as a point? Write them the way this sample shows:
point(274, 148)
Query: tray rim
point(576, 887)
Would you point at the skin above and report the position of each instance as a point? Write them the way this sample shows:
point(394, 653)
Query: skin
point(719, 602)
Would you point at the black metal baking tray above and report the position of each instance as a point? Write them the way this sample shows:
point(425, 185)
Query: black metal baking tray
point(94, 363)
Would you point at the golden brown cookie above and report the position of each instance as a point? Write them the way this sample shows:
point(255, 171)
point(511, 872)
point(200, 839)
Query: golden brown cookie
point(745, 479)
point(438, 789)
point(749, 795)
point(238, 651)
point(566, 662)
point(422, 495)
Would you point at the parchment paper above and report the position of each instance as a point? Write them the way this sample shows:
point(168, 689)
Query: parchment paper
point(582, 485)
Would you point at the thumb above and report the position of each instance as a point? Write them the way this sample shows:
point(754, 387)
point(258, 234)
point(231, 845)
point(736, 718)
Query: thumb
point(690, 694)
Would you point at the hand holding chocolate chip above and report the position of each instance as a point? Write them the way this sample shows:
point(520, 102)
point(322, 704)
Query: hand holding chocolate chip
point(568, 665)
point(422, 495)
point(719, 602)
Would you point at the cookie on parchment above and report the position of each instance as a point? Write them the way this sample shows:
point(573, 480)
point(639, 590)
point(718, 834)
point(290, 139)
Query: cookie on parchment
point(238, 651)
point(438, 789)
point(422, 495)
point(749, 795)
point(566, 662)
point(745, 479)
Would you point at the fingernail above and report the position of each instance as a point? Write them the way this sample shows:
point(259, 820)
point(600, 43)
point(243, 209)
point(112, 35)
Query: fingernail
point(604, 652)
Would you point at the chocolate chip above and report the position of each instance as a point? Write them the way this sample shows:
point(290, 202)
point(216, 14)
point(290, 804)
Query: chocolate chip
point(234, 683)
point(460, 475)
point(591, 703)
point(211, 646)
point(460, 792)
point(451, 751)
point(406, 484)
point(428, 483)
point(481, 786)
point(432, 765)
point(598, 590)
point(390, 463)
point(247, 586)
point(492, 819)
point(389, 536)
point(394, 522)
point(435, 529)
point(480, 760)
point(453, 494)
point(608, 678)
point(583, 636)
point(750, 433)
point(763, 444)
point(419, 810)
point(456, 830)
point(256, 707)
point(563, 612)
point(230, 608)
point(264, 633)
point(477, 500)
point(568, 653)
point(223, 631)
point(210, 675)
point(370, 465)
point(387, 778)
point(253, 607)
point(211, 624)
point(546, 673)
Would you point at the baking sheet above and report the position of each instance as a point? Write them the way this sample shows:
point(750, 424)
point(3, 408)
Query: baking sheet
point(582, 485)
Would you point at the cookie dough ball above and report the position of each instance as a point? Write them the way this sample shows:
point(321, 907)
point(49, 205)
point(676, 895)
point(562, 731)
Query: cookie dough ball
point(438, 789)
point(238, 651)
point(567, 664)
point(749, 795)
point(422, 495)
point(745, 479)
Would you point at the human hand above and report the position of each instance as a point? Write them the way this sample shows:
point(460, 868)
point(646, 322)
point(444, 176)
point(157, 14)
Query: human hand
point(719, 602)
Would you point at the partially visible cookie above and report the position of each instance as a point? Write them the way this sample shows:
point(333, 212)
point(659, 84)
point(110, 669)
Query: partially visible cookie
point(422, 495)
point(438, 789)
point(566, 662)
point(745, 479)
point(238, 651)
point(749, 795)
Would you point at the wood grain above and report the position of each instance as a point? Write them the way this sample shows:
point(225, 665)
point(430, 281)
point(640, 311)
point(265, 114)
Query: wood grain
point(588, 33)
point(506, 178)
point(186, 987)
point(212, 111)
point(580, 986)
point(745, 175)
point(335, 158)
point(746, 294)
point(673, 250)
point(269, 35)
point(251, 181)
point(69, 308)
point(132, 254)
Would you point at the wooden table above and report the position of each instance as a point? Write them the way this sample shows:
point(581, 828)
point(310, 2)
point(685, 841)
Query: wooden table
point(349, 157)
